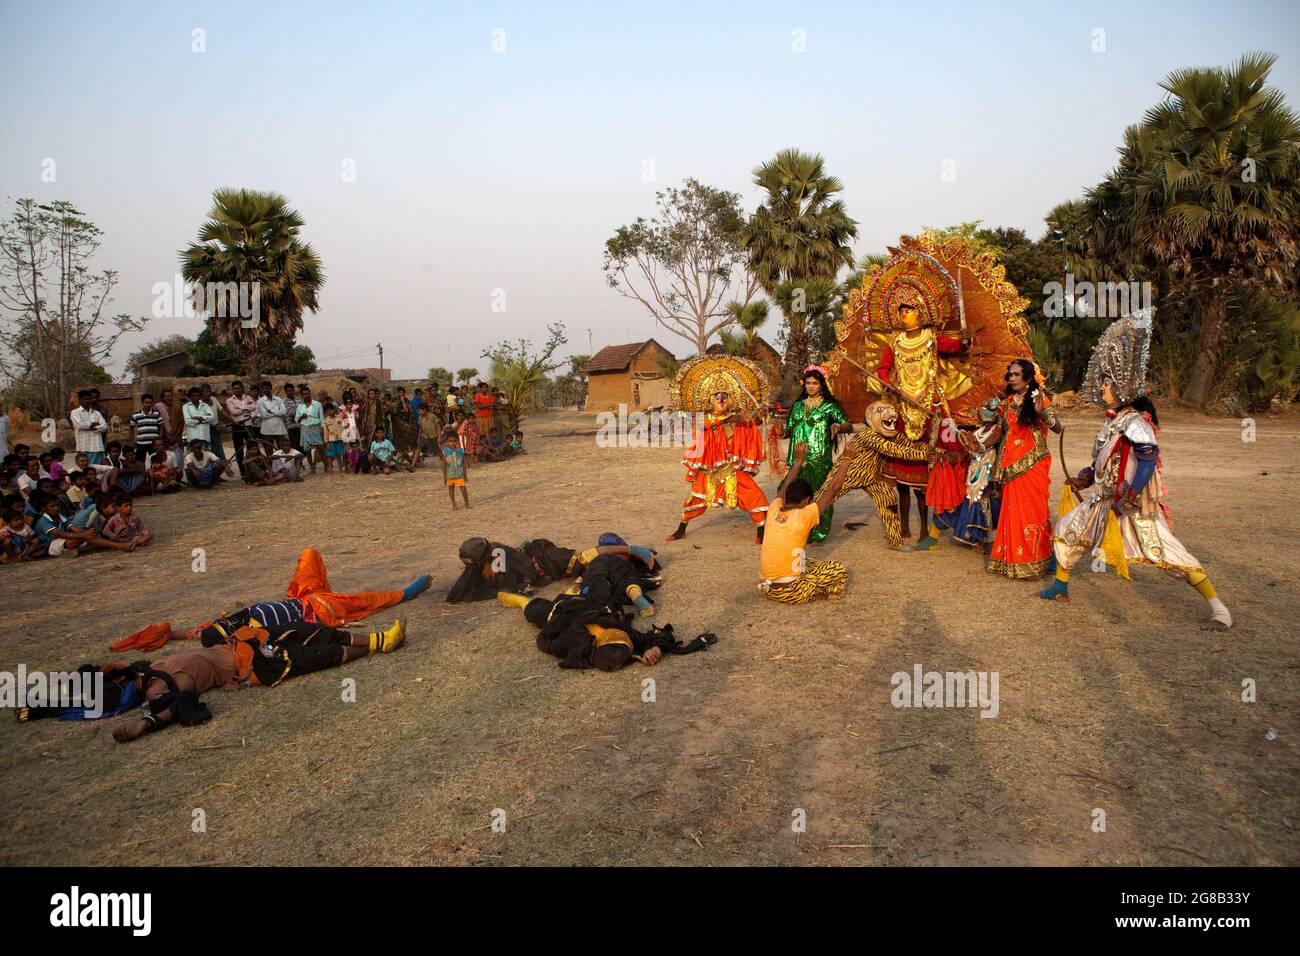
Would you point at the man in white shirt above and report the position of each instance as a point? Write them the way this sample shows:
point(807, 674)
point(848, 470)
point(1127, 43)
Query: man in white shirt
point(89, 427)
point(271, 410)
point(202, 468)
point(198, 416)
point(287, 460)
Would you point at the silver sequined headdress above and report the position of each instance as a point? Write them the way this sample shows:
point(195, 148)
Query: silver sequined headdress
point(1121, 355)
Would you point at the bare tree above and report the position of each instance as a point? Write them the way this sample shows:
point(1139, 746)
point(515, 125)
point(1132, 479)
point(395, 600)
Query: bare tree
point(683, 264)
point(53, 325)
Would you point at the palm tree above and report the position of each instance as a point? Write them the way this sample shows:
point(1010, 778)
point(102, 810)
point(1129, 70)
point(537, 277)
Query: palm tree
point(748, 318)
point(466, 375)
point(800, 234)
point(251, 239)
point(1207, 196)
point(809, 309)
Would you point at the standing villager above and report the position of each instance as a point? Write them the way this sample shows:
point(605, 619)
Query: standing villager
point(311, 422)
point(816, 420)
point(1121, 513)
point(1022, 546)
point(272, 414)
point(240, 407)
point(293, 428)
point(89, 427)
point(403, 432)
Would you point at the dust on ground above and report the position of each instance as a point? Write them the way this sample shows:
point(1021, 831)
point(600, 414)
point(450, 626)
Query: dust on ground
point(1117, 702)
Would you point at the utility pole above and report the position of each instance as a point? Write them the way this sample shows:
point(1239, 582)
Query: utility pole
point(589, 341)
point(380, 346)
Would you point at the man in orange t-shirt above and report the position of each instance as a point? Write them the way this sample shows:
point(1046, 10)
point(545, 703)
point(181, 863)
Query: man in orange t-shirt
point(788, 574)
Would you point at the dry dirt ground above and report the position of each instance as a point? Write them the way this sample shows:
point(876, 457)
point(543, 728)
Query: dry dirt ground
point(1118, 702)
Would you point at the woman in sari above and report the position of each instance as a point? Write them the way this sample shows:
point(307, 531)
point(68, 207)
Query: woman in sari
point(815, 420)
point(369, 415)
point(401, 427)
point(1022, 547)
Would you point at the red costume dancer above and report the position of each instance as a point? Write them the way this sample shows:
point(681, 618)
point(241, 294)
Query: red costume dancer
point(721, 465)
point(946, 489)
point(1022, 547)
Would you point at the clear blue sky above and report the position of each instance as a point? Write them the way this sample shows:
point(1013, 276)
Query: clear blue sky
point(478, 170)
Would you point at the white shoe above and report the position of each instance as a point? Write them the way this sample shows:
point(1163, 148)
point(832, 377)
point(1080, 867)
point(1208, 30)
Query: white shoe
point(1220, 618)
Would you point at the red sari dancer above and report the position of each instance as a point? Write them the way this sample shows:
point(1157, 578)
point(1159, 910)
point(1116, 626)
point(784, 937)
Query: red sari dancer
point(721, 465)
point(1022, 547)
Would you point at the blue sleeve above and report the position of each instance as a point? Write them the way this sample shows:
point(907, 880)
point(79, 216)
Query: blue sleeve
point(642, 553)
point(1146, 467)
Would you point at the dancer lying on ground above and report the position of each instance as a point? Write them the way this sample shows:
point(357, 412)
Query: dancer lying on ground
point(583, 633)
point(307, 600)
point(491, 567)
point(249, 656)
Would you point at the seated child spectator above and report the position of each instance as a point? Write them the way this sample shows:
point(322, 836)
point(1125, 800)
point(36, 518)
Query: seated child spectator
point(80, 484)
point(113, 458)
point(66, 505)
point(517, 443)
point(163, 478)
point(257, 467)
point(287, 461)
point(381, 450)
point(129, 476)
point(17, 539)
point(125, 527)
point(202, 467)
point(53, 532)
point(358, 460)
point(13, 467)
point(56, 467)
point(494, 450)
point(46, 460)
point(332, 433)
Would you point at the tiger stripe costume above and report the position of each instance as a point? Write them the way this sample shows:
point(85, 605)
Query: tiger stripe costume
point(865, 460)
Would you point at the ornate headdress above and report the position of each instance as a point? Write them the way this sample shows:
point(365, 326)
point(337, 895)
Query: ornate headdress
point(697, 381)
point(1121, 355)
point(817, 368)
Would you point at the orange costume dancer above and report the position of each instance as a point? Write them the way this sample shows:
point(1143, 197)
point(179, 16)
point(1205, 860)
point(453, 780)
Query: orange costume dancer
point(721, 465)
point(308, 599)
point(321, 605)
point(1022, 547)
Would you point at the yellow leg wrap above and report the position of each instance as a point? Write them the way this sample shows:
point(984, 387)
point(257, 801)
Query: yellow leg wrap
point(1201, 581)
point(1063, 574)
point(512, 600)
point(633, 592)
point(934, 530)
